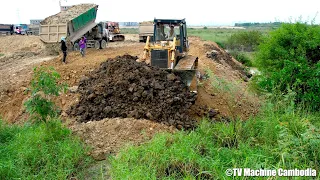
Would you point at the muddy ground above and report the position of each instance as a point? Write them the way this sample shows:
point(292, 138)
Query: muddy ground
point(16, 73)
point(123, 87)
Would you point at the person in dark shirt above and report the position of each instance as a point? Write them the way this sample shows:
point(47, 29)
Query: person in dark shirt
point(64, 49)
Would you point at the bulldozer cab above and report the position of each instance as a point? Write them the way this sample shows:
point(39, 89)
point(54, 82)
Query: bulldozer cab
point(169, 50)
point(113, 27)
point(165, 29)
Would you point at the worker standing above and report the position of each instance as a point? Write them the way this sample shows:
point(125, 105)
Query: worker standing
point(82, 44)
point(64, 49)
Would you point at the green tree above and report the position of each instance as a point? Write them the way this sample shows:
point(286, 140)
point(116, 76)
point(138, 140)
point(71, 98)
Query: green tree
point(44, 85)
point(289, 59)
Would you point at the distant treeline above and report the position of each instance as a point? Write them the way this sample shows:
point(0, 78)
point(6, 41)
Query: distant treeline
point(270, 24)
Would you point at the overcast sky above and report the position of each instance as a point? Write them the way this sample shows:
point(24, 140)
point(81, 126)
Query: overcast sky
point(199, 12)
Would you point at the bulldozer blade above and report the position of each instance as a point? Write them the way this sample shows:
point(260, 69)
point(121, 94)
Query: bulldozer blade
point(189, 78)
point(187, 70)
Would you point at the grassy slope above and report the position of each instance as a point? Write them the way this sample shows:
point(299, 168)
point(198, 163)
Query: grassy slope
point(280, 137)
point(39, 151)
point(272, 140)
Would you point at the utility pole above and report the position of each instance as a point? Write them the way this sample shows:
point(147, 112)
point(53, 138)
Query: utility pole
point(18, 15)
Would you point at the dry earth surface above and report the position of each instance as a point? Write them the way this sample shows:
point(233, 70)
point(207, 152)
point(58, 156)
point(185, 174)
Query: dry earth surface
point(108, 135)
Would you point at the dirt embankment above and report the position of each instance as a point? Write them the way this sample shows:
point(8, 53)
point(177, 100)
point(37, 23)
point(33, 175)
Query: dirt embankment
point(19, 43)
point(18, 55)
point(106, 130)
point(225, 67)
point(109, 135)
point(122, 87)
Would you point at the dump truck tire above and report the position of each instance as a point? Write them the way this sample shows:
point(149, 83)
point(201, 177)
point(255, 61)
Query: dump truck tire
point(97, 44)
point(103, 44)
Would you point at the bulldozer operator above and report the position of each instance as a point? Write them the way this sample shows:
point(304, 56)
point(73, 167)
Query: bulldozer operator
point(171, 34)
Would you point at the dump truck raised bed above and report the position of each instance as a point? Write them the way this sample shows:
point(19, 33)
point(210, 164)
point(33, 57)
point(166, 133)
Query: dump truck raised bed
point(145, 30)
point(75, 22)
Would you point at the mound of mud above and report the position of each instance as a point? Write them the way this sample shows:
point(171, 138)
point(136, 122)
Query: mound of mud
point(224, 58)
point(69, 14)
point(122, 87)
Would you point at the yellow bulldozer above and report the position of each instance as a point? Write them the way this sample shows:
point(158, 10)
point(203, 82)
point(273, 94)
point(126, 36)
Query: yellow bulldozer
point(169, 50)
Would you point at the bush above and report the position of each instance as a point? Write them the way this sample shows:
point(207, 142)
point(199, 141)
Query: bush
point(44, 85)
point(289, 59)
point(32, 152)
point(220, 44)
point(241, 57)
point(205, 27)
point(244, 40)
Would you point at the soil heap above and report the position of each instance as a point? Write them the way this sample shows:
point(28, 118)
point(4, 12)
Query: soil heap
point(122, 87)
point(68, 15)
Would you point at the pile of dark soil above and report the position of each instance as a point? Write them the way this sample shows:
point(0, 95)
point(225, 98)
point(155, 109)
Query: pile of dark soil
point(122, 87)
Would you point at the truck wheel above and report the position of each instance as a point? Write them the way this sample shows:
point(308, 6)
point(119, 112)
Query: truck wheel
point(97, 44)
point(103, 44)
point(76, 47)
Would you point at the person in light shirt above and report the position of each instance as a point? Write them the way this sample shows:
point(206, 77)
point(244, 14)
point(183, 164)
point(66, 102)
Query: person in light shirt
point(171, 34)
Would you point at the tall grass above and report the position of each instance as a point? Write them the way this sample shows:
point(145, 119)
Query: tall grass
point(271, 140)
point(220, 36)
point(279, 137)
point(40, 151)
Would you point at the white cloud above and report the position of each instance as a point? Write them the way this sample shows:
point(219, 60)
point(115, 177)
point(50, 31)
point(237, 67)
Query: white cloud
point(195, 12)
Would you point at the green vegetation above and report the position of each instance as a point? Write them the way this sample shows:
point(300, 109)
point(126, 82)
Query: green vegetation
point(220, 36)
point(281, 138)
point(282, 135)
point(43, 149)
point(244, 40)
point(1, 54)
point(243, 57)
point(259, 25)
point(130, 30)
point(33, 152)
point(240, 42)
point(43, 86)
point(289, 59)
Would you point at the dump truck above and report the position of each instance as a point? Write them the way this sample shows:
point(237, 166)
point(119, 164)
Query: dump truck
point(7, 29)
point(21, 29)
point(33, 29)
point(75, 22)
point(145, 30)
